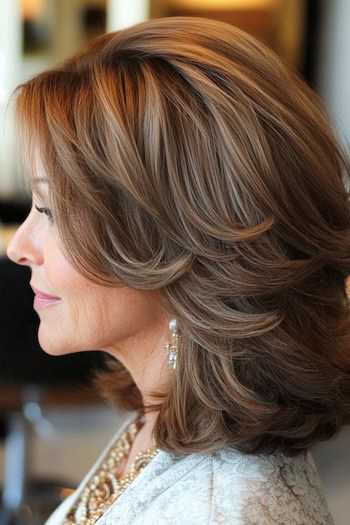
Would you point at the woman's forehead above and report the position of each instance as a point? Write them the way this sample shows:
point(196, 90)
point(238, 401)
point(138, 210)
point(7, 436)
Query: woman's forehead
point(33, 163)
point(39, 185)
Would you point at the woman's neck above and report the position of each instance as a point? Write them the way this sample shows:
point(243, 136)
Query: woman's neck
point(144, 440)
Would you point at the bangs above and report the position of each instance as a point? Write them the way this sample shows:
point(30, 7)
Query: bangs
point(47, 142)
point(33, 139)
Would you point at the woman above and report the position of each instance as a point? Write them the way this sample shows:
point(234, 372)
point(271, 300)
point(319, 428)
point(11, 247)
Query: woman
point(190, 218)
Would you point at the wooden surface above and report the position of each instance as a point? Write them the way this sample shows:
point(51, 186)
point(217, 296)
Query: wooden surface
point(12, 398)
point(257, 22)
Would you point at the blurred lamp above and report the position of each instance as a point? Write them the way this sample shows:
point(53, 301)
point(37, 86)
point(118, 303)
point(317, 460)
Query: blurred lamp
point(223, 4)
point(32, 9)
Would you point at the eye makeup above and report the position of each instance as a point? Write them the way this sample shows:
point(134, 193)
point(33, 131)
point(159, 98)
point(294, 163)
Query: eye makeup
point(45, 211)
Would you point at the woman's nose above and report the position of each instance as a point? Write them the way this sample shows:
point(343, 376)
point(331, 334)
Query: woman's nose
point(24, 247)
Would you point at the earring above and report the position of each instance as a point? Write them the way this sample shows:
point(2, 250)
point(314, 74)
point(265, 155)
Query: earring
point(172, 346)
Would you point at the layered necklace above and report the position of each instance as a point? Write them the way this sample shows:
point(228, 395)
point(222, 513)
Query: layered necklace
point(104, 487)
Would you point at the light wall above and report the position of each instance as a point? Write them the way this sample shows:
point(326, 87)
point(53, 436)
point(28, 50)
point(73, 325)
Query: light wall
point(334, 64)
point(122, 13)
point(10, 57)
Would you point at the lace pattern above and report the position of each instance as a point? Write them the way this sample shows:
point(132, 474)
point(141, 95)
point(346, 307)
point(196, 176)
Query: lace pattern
point(224, 488)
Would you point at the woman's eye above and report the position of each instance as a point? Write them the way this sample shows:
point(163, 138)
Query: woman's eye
point(46, 211)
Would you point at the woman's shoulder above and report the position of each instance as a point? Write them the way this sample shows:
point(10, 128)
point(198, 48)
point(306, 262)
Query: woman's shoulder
point(263, 468)
point(268, 489)
point(225, 487)
point(230, 464)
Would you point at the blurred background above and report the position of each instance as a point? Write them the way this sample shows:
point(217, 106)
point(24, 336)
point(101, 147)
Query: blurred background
point(52, 423)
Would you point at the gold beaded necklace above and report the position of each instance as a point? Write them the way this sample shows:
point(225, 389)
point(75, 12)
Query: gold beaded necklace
point(104, 487)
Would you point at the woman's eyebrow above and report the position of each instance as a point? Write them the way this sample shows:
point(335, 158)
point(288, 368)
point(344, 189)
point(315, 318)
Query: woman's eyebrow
point(40, 180)
point(38, 183)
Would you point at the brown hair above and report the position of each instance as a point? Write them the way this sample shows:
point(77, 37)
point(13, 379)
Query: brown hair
point(185, 157)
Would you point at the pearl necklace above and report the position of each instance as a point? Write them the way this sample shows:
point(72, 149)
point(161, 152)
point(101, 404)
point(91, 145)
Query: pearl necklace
point(104, 487)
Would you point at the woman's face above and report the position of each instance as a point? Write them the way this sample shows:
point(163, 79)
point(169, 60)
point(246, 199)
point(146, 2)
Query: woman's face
point(75, 313)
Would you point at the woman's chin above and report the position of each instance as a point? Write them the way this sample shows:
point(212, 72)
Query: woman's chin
point(55, 345)
point(53, 350)
point(52, 345)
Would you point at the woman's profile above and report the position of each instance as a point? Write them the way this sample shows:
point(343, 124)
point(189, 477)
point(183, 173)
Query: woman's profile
point(191, 218)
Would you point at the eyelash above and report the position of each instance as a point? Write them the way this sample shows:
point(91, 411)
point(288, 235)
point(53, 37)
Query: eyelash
point(46, 212)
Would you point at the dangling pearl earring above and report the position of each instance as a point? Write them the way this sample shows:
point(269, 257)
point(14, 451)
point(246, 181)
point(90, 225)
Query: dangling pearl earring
point(172, 346)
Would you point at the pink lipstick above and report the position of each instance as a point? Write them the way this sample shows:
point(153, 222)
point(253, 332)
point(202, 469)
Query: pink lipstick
point(41, 299)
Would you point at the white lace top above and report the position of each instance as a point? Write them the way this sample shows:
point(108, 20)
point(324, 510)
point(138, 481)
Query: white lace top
point(226, 487)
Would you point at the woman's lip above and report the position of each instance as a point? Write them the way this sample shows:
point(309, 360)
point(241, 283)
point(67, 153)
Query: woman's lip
point(39, 293)
point(42, 299)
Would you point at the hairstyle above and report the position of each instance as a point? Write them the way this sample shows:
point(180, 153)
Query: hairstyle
point(184, 157)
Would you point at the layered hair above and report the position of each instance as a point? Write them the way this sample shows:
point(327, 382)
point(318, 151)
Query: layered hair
point(183, 156)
